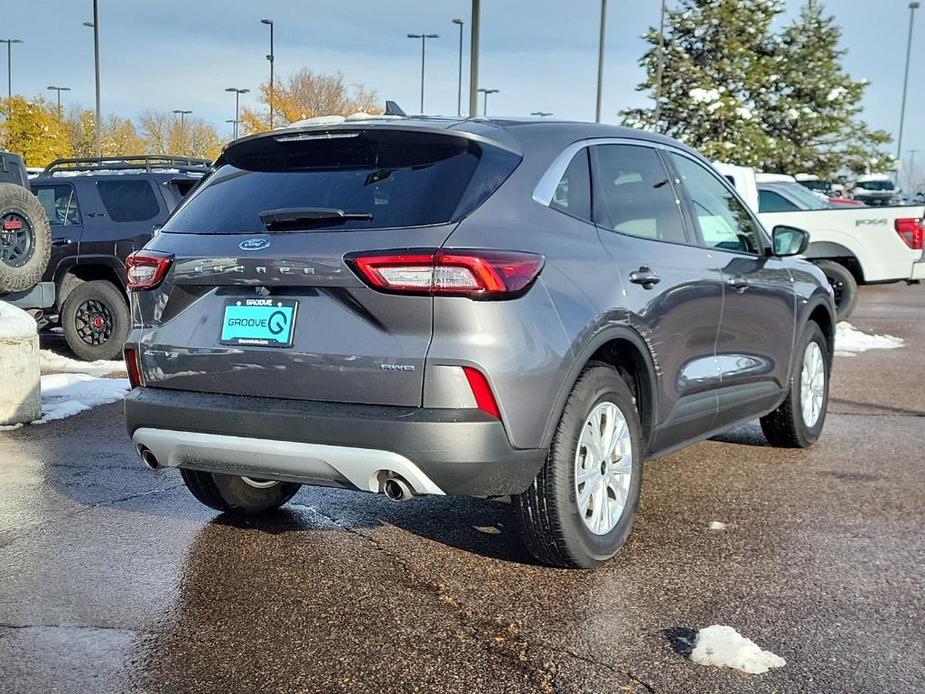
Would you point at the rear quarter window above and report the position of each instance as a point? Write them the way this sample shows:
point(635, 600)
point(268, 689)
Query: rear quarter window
point(396, 178)
point(128, 201)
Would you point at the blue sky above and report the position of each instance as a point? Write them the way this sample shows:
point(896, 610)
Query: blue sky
point(541, 54)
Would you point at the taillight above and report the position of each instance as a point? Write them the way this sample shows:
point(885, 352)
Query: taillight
point(481, 391)
point(133, 367)
point(475, 274)
point(912, 232)
point(146, 269)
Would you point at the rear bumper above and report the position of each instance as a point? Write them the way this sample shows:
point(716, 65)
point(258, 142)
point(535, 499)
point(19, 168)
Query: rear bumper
point(41, 296)
point(918, 270)
point(438, 451)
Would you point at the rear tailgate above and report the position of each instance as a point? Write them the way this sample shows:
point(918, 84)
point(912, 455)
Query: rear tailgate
point(270, 308)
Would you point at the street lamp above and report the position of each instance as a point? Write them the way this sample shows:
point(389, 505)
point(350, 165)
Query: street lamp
point(475, 21)
point(660, 70)
point(95, 25)
point(9, 71)
point(270, 57)
point(182, 115)
point(234, 128)
point(59, 90)
point(237, 106)
point(541, 114)
point(600, 61)
point(913, 6)
point(423, 38)
point(459, 87)
point(486, 92)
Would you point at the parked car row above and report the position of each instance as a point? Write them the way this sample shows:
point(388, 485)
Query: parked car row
point(96, 212)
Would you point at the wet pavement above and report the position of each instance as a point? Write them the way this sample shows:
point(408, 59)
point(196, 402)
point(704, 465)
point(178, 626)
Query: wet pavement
point(113, 578)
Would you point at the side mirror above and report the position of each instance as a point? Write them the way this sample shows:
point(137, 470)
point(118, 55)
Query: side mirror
point(789, 241)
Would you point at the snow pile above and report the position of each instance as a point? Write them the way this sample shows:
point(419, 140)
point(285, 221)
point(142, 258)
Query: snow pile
point(717, 525)
point(58, 364)
point(849, 340)
point(723, 646)
point(15, 323)
point(67, 394)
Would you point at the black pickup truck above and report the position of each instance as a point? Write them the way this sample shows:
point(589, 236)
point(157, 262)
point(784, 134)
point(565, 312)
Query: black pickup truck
point(100, 210)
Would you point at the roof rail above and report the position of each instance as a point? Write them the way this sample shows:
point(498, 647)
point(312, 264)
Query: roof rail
point(147, 162)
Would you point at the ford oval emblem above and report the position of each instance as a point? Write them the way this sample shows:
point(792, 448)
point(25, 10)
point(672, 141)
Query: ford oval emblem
point(254, 245)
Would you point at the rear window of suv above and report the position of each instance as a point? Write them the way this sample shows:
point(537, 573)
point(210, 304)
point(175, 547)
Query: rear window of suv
point(381, 178)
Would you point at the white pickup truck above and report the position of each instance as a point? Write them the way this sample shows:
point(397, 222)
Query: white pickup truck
point(852, 245)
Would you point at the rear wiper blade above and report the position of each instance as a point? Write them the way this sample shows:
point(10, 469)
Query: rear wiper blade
point(291, 216)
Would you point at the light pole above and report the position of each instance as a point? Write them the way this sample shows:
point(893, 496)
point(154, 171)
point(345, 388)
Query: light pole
point(95, 25)
point(913, 6)
point(182, 115)
point(540, 114)
point(459, 83)
point(474, 59)
point(486, 92)
point(423, 38)
point(234, 128)
point(59, 90)
point(660, 70)
point(9, 73)
point(270, 57)
point(600, 61)
point(237, 106)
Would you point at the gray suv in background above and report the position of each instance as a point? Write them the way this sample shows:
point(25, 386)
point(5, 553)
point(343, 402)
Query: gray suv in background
point(475, 307)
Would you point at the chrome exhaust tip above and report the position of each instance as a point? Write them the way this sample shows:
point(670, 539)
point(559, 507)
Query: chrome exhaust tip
point(147, 457)
point(396, 489)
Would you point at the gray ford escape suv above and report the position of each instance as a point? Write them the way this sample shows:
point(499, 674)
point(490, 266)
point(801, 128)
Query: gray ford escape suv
point(487, 308)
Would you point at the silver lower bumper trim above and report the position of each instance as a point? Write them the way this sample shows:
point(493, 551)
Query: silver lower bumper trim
point(308, 463)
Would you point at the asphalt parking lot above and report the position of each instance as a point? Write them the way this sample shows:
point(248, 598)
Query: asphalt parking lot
point(113, 578)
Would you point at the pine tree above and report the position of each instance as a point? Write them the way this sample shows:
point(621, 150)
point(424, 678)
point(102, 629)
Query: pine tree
point(740, 93)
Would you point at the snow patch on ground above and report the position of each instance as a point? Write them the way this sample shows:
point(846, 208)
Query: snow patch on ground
point(722, 646)
point(849, 340)
point(59, 364)
point(67, 394)
point(717, 525)
point(15, 323)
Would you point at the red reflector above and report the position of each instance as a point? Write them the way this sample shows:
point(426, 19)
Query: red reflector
point(484, 398)
point(146, 269)
point(133, 367)
point(476, 274)
point(912, 232)
point(12, 224)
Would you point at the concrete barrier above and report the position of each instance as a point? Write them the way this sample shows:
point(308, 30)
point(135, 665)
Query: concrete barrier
point(20, 375)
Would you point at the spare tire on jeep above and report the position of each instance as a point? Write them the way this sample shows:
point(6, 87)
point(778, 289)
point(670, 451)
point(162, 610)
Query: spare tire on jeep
point(25, 239)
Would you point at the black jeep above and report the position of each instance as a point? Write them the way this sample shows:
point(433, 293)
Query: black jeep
point(100, 210)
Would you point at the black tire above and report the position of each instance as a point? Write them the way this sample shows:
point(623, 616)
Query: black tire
point(843, 284)
point(547, 513)
point(785, 427)
point(25, 239)
point(231, 494)
point(95, 318)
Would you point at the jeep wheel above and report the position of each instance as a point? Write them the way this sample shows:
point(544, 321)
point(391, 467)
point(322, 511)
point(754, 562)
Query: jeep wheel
point(798, 422)
point(233, 494)
point(843, 284)
point(579, 510)
point(95, 318)
point(25, 239)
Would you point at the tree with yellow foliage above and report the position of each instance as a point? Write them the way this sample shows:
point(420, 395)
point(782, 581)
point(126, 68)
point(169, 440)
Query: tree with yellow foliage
point(119, 136)
point(32, 129)
point(308, 94)
point(164, 133)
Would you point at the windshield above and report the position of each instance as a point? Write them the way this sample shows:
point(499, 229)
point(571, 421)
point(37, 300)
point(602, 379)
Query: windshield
point(364, 179)
point(805, 198)
point(821, 186)
point(875, 185)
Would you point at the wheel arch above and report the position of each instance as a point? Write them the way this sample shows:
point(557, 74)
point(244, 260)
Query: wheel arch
point(829, 250)
point(624, 349)
point(79, 273)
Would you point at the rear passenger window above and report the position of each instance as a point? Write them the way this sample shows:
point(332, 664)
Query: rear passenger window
point(60, 204)
point(128, 201)
point(573, 194)
point(724, 222)
point(633, 194)
point(772, 202)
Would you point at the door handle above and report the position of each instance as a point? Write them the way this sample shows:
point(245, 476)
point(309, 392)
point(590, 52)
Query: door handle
point(740, 284)
point(645, 277)
point(61, 242)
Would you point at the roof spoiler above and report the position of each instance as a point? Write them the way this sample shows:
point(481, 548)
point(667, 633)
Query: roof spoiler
point(393, 109)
